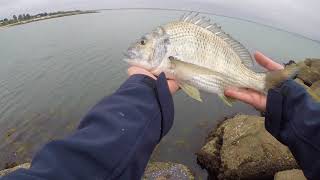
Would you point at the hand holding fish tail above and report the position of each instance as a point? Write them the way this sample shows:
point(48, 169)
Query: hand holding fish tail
point(173, 86)
point(249, 96)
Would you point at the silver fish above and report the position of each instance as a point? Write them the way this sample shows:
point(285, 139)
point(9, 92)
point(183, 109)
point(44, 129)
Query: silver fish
point(199, 55)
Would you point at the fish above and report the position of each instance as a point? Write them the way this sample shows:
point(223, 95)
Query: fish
point(200, 56)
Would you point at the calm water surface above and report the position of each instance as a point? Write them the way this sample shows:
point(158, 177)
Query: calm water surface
point(52, 72)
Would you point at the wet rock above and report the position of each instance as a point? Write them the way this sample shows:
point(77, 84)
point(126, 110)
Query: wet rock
point(293, 174)
point(241, 148)
point(209, 155)
point(310, 72)
point(167, 171)
point(7, 171)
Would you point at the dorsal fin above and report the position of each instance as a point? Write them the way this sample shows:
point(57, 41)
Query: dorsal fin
point(204, 22)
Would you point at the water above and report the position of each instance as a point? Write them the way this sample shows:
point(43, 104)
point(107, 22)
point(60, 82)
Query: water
point(53, 71)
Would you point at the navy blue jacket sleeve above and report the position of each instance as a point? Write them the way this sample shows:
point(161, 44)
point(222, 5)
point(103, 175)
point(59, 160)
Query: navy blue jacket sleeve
point(293, 117)
point(113, 141)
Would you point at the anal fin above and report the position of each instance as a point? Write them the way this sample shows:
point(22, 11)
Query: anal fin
point(227, 100)
point(191, 91)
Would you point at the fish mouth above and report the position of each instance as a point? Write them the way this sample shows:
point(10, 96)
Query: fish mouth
point(130, 61)
point(129, 58)
point(138, 63)
point(130, 54)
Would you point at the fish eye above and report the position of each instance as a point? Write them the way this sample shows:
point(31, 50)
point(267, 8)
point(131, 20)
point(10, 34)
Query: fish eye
point(143, 42)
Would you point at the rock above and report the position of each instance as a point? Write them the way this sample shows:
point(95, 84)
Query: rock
point(209, 156)
point(293, 174)
point(167, 171)
point(310, 72)
point(7, 171)
point(313, 63)
point(241, 148)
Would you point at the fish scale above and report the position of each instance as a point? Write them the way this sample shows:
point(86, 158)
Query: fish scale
point(199, 46)
point(211, 55)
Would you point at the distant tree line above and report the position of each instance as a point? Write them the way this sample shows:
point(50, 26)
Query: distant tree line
point(24, 17)
point(16, 18)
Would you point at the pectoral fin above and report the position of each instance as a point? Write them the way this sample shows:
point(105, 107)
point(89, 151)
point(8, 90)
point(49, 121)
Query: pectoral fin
point(186, 67)
point(191, 91)
point(227, 100)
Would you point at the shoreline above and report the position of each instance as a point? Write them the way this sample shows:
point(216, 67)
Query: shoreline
point(72, 13)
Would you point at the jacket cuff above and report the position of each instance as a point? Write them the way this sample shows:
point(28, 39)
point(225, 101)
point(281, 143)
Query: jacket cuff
point(166, 104)
point(141, 78)
point(163, 96)
point(273, 116)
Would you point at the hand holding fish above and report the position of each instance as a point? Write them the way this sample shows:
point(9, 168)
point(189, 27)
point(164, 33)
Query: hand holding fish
point(173, 86)
point(252, 97)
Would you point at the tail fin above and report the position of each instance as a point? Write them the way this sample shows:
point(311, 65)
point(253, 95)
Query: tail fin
point(275, 78)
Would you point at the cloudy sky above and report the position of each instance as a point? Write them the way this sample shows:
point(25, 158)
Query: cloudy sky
point(296, 16)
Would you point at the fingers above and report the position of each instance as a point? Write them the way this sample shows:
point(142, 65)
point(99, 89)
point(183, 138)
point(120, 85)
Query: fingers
point(137, 70)
point(173, 86)
point(267, 62)
point(248, 96)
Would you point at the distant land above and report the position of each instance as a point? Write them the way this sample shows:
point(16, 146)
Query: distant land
point(27, 18)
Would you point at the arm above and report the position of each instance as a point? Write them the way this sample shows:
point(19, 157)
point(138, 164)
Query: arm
point(293, 117)
point(114, 140)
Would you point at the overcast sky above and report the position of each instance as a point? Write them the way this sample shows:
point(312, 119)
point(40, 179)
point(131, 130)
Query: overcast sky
point(297, 16)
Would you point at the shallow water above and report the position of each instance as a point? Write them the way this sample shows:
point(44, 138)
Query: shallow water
point(53, 71)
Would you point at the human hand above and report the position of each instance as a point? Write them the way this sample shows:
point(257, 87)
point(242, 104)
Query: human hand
point(173, 86)
point(249, 96)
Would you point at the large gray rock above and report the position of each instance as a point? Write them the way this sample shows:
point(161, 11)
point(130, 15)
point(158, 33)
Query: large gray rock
point(7, 171)
point(293, 174)
point(241, 148)
point(167, 171)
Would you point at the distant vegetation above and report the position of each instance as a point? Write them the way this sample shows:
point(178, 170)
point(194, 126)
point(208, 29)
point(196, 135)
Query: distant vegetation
point(27, 18)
